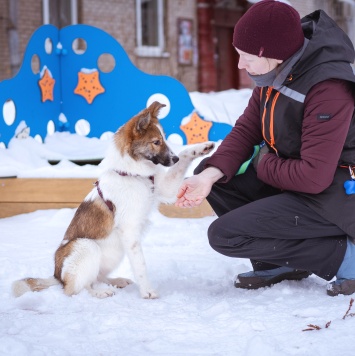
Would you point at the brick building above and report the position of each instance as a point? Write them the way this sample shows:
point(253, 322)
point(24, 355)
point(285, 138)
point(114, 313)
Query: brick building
point(186, 39)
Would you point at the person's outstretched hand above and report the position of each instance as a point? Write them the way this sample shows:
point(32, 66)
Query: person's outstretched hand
point(196, 188)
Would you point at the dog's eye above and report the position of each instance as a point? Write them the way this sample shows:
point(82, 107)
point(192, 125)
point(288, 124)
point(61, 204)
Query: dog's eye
point(157, 142)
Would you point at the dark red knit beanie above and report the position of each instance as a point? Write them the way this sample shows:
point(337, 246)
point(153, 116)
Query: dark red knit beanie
point(270, 29)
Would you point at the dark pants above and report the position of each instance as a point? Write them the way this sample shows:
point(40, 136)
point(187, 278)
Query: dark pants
point(272, 228)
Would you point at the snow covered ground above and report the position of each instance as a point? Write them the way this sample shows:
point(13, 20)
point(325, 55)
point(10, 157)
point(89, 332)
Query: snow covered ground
point(199, 312)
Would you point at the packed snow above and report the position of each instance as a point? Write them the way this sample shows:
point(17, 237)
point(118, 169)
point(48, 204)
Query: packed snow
point(199, 311)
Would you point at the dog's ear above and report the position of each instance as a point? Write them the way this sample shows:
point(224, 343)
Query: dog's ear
point(155, 107)
point(143, 121)
point(146, 115)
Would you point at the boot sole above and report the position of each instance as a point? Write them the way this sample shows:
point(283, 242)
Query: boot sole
point(259, 282)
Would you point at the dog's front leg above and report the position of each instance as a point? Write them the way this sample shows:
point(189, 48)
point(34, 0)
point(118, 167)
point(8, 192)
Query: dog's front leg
point(133, 249)
point(174, 176)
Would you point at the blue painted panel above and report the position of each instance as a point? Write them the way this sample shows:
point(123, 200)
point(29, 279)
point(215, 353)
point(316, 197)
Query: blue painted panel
point(24, 91)
point(127, 89)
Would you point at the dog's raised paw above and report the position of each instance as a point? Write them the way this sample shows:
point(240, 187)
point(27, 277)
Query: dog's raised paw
point(202, 149)
point(198, 150)
point(207, 147)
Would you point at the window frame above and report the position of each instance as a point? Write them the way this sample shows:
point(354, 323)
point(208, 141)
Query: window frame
point(150, 51)
point(73, 12)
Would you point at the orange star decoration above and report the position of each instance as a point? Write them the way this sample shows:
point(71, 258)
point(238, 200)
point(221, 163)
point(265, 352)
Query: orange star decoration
point(196, 130)
point(89, 86)
point(46, 83)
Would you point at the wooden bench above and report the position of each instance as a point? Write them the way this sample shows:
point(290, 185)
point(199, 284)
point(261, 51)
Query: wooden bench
point(25, 195)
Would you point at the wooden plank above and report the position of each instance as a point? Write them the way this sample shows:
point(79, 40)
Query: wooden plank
point(11, 209)
point(172, 211)
point(24, 195)
point(62, 190)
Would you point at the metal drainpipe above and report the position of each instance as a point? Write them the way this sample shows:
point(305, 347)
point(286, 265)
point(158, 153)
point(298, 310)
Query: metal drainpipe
point(207, 73)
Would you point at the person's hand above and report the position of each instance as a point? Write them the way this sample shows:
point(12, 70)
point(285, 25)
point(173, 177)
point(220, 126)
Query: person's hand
point(196, 188)
point(192, 192)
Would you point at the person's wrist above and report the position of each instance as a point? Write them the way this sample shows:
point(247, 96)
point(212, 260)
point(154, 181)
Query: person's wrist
point(212, 174)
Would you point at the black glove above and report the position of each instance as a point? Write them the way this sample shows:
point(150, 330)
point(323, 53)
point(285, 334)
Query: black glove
point(262, 152)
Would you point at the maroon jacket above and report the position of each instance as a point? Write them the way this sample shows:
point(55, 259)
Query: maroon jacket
point(307, 122)
point(321, 141)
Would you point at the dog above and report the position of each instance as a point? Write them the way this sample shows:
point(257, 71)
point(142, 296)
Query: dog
point(110, 221)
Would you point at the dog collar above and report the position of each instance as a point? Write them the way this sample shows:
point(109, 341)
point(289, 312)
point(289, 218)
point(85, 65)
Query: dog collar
point(109, 203)
point(121, 173)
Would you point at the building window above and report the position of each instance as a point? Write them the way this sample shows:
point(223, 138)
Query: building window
point(150, 28)
point(60, 13)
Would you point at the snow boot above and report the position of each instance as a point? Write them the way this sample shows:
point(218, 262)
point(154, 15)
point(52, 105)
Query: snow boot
point(259, 279)
point(345, 282)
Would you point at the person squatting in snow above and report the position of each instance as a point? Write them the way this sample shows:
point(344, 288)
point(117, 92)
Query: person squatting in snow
point(292, 211)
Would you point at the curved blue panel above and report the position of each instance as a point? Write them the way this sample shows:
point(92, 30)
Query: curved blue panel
point(127, 89)
point(25, 92)
point(219, 131)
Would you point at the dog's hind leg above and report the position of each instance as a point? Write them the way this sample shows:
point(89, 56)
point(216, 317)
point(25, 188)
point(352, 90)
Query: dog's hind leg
point(112, 254)
point(81, 268)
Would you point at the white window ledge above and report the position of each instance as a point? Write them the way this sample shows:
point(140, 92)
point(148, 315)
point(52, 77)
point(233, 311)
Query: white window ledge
point(146, 51)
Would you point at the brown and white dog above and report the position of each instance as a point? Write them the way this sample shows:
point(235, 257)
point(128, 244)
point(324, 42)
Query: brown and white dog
point(111, 219)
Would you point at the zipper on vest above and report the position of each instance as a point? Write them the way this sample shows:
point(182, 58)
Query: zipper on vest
point(272, 137)
point(271, 114)
point(269, 90)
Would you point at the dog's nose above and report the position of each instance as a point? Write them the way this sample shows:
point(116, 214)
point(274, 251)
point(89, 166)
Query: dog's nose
point(175, 159)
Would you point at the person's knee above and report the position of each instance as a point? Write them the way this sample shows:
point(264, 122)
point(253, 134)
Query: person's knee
point(200, 167)
point(222, 241)
point(214, 236)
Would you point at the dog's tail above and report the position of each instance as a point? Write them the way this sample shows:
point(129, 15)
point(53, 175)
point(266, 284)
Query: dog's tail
point(32, 284)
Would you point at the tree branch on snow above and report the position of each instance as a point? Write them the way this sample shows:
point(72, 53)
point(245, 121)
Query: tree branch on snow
point(312, 327)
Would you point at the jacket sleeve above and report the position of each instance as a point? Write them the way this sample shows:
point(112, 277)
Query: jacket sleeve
point(329, 106)
point(238, 145)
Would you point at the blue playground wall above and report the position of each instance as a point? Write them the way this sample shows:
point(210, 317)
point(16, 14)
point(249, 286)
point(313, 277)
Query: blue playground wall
point(127, 90)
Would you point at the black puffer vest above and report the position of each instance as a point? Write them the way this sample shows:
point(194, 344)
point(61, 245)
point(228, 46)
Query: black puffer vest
point(328, 55)
point(325, 57)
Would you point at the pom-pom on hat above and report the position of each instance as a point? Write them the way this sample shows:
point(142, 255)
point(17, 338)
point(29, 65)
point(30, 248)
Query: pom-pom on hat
point(270, 29)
